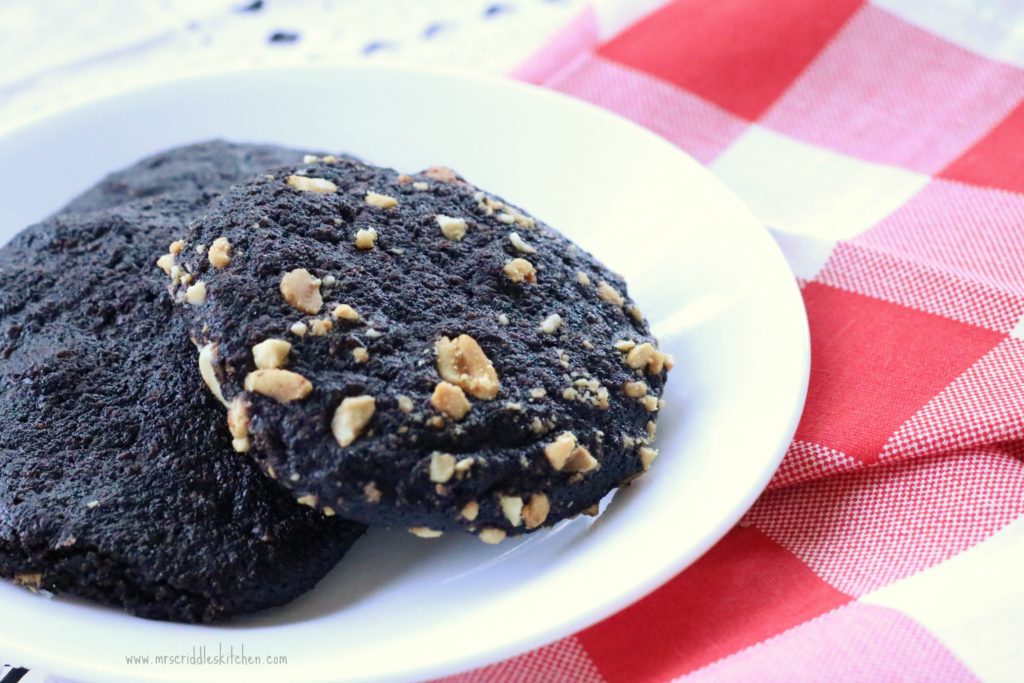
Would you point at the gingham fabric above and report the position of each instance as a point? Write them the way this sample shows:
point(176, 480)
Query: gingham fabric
point(883, 144)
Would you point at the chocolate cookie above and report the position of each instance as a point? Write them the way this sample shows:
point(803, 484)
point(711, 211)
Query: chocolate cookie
point(117, 477)
point(411, 351)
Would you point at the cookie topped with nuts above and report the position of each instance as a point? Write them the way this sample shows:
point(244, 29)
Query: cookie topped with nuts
point(119, 481)
point(412, 351)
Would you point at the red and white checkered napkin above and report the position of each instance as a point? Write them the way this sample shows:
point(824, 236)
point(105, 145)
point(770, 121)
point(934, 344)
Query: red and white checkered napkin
point(883, 143)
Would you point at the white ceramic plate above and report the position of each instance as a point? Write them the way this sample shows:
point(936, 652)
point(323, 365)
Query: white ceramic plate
point(709, 277)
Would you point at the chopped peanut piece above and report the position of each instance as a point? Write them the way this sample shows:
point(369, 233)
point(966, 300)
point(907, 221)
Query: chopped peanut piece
point(270, 353)
point(381, 201)
point(345, 312)
point(492, 535)
point(442, 173)
point(520, 270)
point(372, 493)
point(442, 467)
point(647, 456)
point(309, 500)
point(580, 460)
point(453, 229)
point(284, 386)
point(315, 185)
point(196, 294)
point(519, 244)
point(610, 294)
point(635, 389)
point(165, 263)
point(366, 238)
point(650, 402)
point(351, 417)
point(220, 253)
point(512, 508)
point(360, 354)
point(425, 532)
point(449, 399)
point(535, 512)
point(462, 362)
point(238, 418)
point(640, 355)
point(318, 328)
point(551, 324)
point(559, 450)
point(207, 357)
point(470, 510)
point(302, 291)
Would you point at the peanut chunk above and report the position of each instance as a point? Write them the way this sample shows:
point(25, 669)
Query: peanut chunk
point(165, 263)
point(580, 460)
point(207, 357)
point(492, 535)
point(520, 270)
point(520, 244)
point(449, 399)
point(535, 512)
point(443, 174)
point(238, 424)
point(512, 508)
point(425, 532)
point(196, 294)
point(219, 253)
point(366, 238)
point(647, 456)
point(381, 201)
point(470, 510)
point(302, 291)
point(645, 355)
point(270, 353)
point(318, 328)
point(610, 294)
point(462, 362)
point(345, 312)
point(650, 403)
point(351, 417)
point(442, 467)
point(284, 386)
point(551, 324)
point(565, 455)
point(360, 354)
point(635, 389)
point(315, 185)
point(453, 229)
point(558, 451)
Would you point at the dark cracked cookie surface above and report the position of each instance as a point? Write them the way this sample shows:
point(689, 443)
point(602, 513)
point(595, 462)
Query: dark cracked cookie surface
point(117, 477)
point(408, 351)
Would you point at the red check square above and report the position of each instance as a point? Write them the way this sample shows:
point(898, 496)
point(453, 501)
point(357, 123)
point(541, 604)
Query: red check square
point(874, 364)
point(996, 159)
point(747, 588)
point(741, 55)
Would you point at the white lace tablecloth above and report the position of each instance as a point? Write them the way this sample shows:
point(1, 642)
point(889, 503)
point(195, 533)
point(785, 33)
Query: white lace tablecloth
point(56, 53)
